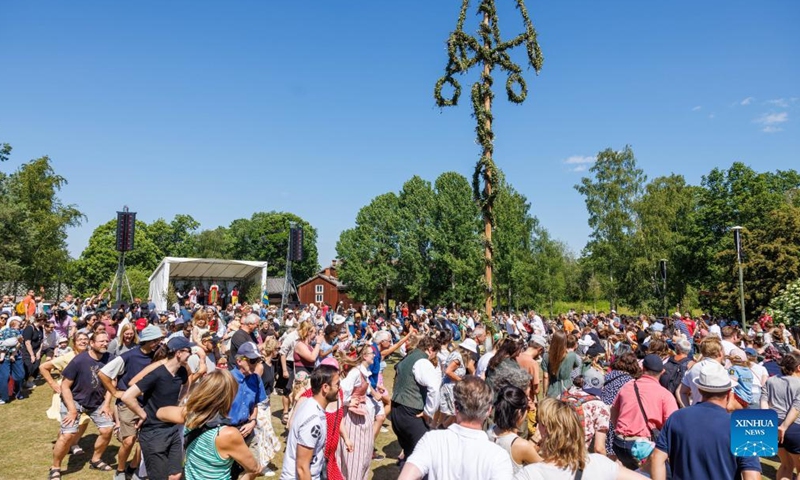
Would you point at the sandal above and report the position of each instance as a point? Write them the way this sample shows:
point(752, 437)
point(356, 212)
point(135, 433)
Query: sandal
point(100, 465)
point(76, 450)
point(55, 473)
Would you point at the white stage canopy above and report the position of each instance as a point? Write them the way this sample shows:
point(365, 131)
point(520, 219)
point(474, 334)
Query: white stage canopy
point(202, 269)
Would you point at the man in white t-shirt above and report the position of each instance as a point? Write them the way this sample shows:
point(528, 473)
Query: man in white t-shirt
point(463, 451)
point(305, 444)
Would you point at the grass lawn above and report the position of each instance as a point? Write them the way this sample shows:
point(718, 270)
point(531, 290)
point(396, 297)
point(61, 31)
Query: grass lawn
point(27, 438)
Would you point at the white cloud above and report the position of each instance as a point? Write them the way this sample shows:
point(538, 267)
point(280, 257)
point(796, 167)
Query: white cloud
point(772, 118)
point(771, 129)
point(711, 115)
point(579, 168)
point(779, 102)
point(579, 160)
point(747, 101)
point(696, 108)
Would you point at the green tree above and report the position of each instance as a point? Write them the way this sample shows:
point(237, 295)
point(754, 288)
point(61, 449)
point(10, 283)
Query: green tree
point(30, 197)
point(97, 265)
point(264, 237)
point(610, 194)
point(176, 238)
point(369, 252)
point(456, 249)
point(737, 196)
point(489, 52)
point(416, 229)
point(513, 259)
point(661, 215)
point(215, 243)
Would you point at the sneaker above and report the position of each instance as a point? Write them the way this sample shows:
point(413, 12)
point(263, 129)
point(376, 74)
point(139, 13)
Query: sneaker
point(384, 430)
point(267, 472)
point(2, 402)
point(30, 385)
point(120, 475)
point(20, 396)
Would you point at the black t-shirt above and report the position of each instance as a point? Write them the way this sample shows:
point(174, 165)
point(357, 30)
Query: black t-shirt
point(239, 338)
point(160, 389)
point(268, 378)
point(36, 337)
point(87, 390)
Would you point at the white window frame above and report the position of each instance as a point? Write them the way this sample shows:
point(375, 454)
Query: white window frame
point(318, 298)
point(319, 289)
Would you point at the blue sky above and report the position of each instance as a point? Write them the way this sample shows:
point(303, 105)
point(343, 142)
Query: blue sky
point(219, 109)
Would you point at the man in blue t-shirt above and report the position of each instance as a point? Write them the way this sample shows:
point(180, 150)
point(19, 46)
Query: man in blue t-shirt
point(244, 409)
point(703, 453)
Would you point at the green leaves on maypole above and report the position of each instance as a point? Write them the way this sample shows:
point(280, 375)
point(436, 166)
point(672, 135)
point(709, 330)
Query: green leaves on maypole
point(487, 49)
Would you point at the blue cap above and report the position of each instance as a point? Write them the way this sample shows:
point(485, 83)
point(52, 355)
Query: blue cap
point(750, 352)
point(248, 350)
point(179, 343)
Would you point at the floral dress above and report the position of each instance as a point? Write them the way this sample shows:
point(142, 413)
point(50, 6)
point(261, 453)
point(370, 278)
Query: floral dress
point(448, 406)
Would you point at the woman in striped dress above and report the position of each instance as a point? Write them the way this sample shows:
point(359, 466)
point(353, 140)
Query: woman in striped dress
point(360, 414)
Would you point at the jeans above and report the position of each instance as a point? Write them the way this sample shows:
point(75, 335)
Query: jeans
point(15, 370)
point(622, 449)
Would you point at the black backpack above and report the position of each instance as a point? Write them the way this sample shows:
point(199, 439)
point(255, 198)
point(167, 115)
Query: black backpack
point(673, 374)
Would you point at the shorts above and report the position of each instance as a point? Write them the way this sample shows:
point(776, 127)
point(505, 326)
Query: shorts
point(791, 439)
point(100, 420)
point(127, 421)
point(162, 450)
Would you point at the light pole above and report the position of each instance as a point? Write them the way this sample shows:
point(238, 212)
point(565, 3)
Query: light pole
point(737, 242)
point(663, 268)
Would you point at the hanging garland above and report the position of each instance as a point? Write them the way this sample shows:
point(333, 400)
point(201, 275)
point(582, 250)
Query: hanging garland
point(487, 50)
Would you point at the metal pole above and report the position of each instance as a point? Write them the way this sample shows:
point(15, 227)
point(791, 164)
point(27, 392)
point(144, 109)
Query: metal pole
point(741, 295)
point(287, 279)
point(737, 243)
point(120, 274)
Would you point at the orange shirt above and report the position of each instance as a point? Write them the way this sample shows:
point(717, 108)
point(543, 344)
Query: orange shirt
point(30, 306)
point(569, 326)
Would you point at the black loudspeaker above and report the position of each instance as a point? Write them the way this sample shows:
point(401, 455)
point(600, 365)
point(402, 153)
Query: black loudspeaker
point(126, 225)
point(296, 244)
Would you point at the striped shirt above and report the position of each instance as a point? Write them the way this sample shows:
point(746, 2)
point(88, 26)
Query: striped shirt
point(203, 461)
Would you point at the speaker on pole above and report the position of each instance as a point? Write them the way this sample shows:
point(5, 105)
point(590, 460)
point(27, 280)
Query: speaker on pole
point(126, 226)
point(296, 244)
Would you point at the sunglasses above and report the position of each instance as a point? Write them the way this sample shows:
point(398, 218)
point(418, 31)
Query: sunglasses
point(254, 361)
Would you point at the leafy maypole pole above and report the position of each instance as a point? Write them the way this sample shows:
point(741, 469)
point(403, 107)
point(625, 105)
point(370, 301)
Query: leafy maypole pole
point(464, 52)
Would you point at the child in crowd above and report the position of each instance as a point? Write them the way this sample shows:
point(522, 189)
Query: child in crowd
point(8, 347)
point(63, 347)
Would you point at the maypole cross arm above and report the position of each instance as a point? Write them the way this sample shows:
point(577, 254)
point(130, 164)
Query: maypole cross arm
point(489, 51)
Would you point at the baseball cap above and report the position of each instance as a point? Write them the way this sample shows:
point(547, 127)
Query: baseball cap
point(248, 350)
point(653, 363)
point(141, 323)
point(593, 381)
point(179, 343)
point(150, 332)
point(538, 340)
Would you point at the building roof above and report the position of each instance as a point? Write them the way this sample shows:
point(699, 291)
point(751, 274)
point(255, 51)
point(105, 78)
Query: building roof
point(275, 286)
point(332, 280)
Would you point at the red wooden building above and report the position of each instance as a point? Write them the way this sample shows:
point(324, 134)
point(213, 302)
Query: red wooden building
point(325, 287)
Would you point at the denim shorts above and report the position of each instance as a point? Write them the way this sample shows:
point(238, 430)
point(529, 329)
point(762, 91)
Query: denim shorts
point(102, 421)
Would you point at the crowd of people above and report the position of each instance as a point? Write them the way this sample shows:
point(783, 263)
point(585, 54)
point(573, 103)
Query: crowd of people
point(187, 391)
